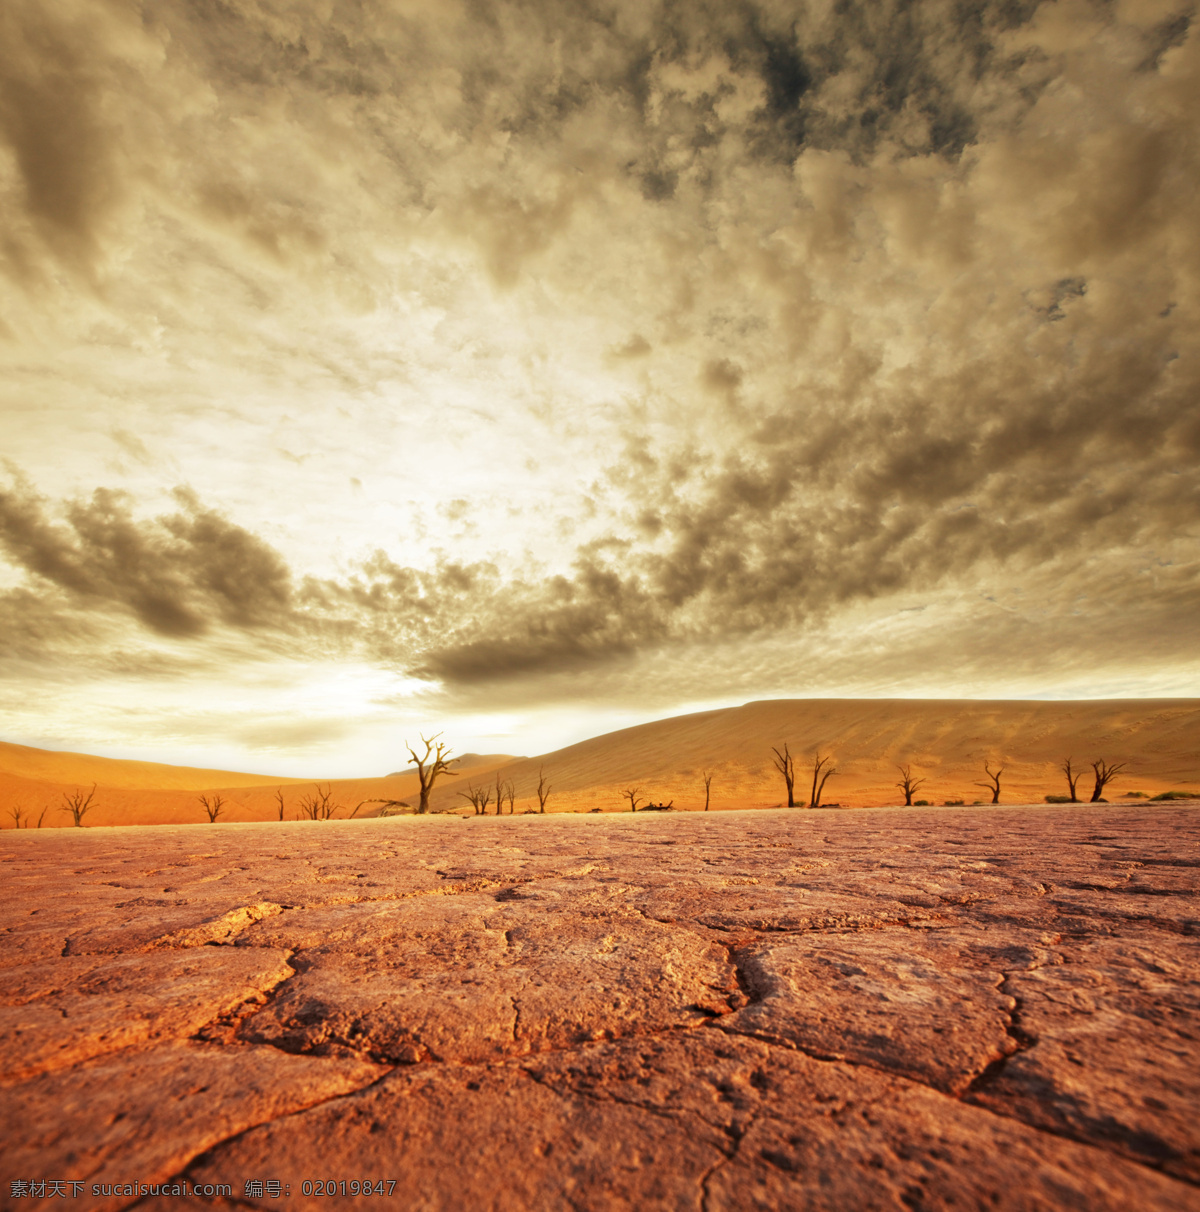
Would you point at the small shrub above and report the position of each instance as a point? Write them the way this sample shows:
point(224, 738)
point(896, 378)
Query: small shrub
point(320, 805)
point(1176, 795)
point(952, 803)
point(1058, 799)
point(920, 803)
point(1134, 795)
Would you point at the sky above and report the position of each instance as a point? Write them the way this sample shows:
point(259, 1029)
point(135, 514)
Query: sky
point(525, 370)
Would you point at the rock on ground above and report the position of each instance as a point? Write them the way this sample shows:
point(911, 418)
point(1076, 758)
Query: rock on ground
point(878, 1009)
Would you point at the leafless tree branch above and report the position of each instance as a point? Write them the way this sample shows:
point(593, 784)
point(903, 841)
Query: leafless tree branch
point(214, 805)
point(993, 783)
point(908, 784)
point(786, 766)
point(1104, 775)
point(434, 761)
point(77, 805)
point(820, 777)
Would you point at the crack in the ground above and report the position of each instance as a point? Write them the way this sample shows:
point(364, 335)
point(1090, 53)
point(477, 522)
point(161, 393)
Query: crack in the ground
point(736, 1134)
point(610, 1096)
point(221, 1030)
point(734, 953)
point(183, 1173)
point(1060, 1134)
point(224, 1028)
point(1022, 1041)
point(1091, 1143)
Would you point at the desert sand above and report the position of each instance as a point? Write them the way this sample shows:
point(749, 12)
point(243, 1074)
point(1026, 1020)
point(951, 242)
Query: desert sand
point(146, 793)
point(885, 1009)
point(946, 742)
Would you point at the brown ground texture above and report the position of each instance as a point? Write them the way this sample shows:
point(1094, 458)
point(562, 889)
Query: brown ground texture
point(881, 1009)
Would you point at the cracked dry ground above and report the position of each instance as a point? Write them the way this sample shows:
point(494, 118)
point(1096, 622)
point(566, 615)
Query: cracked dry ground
point(907, 1009)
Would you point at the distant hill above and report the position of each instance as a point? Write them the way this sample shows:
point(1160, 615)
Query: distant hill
point(49, 765)
point(464, 762)
point(944, 741)
point(150, 793)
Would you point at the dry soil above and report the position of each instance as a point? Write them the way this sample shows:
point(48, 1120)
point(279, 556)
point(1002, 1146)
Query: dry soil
point(893, 1009)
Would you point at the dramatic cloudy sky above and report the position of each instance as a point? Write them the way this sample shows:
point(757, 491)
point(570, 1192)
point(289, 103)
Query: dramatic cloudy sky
point(526, 368)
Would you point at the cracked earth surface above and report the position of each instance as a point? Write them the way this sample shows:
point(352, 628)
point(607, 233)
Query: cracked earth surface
point(891, 1008)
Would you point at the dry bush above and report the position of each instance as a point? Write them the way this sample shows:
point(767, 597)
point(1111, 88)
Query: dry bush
point(319, 806)
point(479, 798)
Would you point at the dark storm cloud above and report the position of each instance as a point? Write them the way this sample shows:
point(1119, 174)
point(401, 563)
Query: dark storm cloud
point(937, 312)
point(54, 76)
point(49, 125)
point(894, 57)
point(177, 574)
point(528, 72)
point(87, 107)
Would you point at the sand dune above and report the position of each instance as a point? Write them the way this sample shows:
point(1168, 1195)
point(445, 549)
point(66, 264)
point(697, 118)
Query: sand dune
point(146, 793)
point(946, 742)
point(51, 766)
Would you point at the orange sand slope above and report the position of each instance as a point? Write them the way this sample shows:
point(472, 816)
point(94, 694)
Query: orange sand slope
point(36, 781)
point(944, 741)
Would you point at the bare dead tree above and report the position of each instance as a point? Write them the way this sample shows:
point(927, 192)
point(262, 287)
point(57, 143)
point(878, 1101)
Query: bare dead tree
point(328, 806)
point(632, 794)
point(384, 806)
point(18, 815)
point(993, 783)
point(319, 806)
point(1073, 777)
point(786, 766)
point(434, 761)
point(707, 777)
point(504, 791)
point(820, 777)
point(213, 805)
point(1104, 775)
point(77, 805)
point(908, 784)
point(543, 789)
point(41, 817)
point(479, 797)
point(279, 801)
